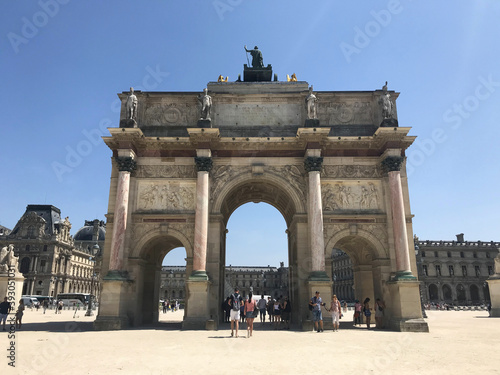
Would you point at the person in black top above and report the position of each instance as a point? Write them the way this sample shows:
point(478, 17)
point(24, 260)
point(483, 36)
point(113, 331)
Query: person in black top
point(235, 301)
point(5, 308)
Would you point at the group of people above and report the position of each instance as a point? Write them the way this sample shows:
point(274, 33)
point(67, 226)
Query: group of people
point(335, 308)
point(237, 309)
point(6, 308)
point(172, 306)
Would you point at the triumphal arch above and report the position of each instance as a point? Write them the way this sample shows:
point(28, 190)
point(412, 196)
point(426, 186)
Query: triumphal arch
point(332, 162)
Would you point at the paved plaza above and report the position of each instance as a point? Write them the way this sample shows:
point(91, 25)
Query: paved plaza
point(459, 342)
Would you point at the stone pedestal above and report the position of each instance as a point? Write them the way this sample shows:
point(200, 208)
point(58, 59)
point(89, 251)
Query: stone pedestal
point(129, 123)
point(197, 306)
point(11, 286)
point(311, 123)
point(204, 123)
point(112, 307)
point(494, 286)
point(325, 292)
point(257, 74)
point(403, 312)
point(389, 123)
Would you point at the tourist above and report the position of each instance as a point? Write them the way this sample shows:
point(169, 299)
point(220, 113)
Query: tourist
point(235, 302)
point(45, 305)
point(357, 313)
point(379, 313)
point(316, 302)
point(226, 309)
point(335, 309)
point(5, 308)
point(345, 307)
point(285, 314)
point(242, 313)
point(164, 305)
point(367, 311)
point(270, 304)
point(261, 305)
point(19, 314)
point(250, 309)
point(60, 305)
point(277, 313)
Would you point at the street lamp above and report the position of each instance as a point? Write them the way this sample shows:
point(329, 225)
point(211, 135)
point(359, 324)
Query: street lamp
point(95, 251)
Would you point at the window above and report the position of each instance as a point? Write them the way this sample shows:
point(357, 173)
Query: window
point(464, 270)
point(490, 270)
point(436, 254)
point(462, 254)
point(43, 263)
point(487, 255)
point(438, 270)
point(27, 247)
point(474, 254)
point(478, 271)
point(449, 254)
point(423, 254)
point(426, 272)
point(44, 247)
point(451, 270)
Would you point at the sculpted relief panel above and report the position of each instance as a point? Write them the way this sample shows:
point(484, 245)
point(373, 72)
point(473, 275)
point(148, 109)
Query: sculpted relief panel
point(351, 171)
point(165, 171)
point(332, 113)
point(351, 196)
point(170, 196)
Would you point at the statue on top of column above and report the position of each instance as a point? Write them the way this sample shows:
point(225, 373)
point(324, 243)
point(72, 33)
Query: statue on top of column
point(311, 104)
point(386, 103)
point(206, 105)
point(131, 105)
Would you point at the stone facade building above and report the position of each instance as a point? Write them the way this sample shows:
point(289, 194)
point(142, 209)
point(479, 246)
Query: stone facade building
point(50, 259)
point(454, 272)
point(268, 280)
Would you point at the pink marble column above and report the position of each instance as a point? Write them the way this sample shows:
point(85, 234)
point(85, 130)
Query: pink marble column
point(204, 165)
point(125, 166)
point(402, 251)
point(315, 217)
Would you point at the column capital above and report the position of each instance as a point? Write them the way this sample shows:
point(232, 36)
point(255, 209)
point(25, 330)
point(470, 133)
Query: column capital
point(126, 164)
point(392, 163)
point(203, 164)
point(313, 163)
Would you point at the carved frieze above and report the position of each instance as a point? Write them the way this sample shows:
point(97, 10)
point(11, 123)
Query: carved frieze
point(331, 230)
point(221, 174)
point(293, 174)
point(166, 171)
point(162, 114)
point(351, 171)
point(341, 196)
point(377, 230)
point(172, 196)
point(345, 113)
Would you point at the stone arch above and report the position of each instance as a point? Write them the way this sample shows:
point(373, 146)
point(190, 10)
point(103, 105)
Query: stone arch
point(474, 293)
point(268, 188)
point(156, 234)
point(433, 292)
point(447, 293)
point(377, 248)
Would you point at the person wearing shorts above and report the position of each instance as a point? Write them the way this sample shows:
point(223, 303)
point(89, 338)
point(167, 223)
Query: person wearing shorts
point(5, 308)
point(316, 302)
point(336, 311)
point(235, 310)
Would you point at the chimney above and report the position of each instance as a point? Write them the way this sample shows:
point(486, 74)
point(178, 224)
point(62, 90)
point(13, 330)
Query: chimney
point(460, 237)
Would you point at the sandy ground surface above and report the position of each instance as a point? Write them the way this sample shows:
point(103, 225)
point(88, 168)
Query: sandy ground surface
point(459, 342)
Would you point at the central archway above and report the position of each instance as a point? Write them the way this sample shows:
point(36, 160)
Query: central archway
point(270, 189)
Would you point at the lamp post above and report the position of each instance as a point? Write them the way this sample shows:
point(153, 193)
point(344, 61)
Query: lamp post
point(95, 251)
point(420, 273)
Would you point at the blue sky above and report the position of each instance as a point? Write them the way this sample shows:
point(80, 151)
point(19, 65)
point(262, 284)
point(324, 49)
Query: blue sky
point(63, 61)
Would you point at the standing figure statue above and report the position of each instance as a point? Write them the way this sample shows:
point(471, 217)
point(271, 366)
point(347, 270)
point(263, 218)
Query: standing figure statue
point(206, 105)
point(7, 258)
point(311, 104)
point(386, 102)
point(257, 61)
point(131, 105)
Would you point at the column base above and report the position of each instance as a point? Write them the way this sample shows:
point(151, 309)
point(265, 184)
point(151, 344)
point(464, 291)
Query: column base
point(113, 313)
point(409, 325)
point(319, 276)
point(110, 323)
point(404, 275)
point(197, 306)
point(199, 276)
point(494, 286)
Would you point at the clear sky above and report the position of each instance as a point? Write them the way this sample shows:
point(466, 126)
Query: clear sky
point(64, 61)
